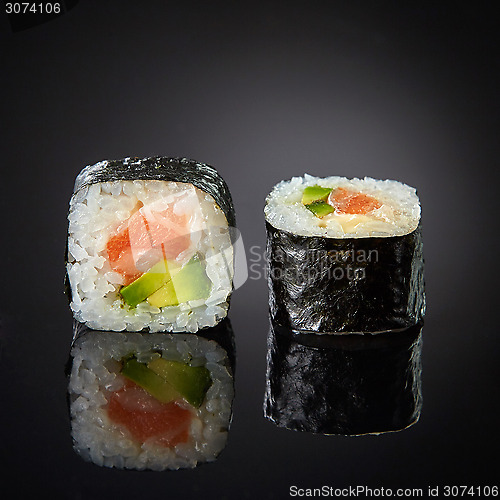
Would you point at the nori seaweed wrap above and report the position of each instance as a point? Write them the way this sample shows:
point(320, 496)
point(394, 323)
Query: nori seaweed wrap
point(348, 385)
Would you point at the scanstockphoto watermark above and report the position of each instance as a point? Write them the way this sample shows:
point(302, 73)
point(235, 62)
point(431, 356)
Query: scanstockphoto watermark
point(368, 492)
point(354, 491)
point(311, 265)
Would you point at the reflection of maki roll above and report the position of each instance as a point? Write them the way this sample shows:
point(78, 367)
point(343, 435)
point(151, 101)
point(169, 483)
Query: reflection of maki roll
point(149, 245)
point(344, 255)
point(343, 384)
point(150, 401)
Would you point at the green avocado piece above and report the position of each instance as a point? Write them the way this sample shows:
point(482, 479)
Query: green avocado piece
point(189, 283)
point(320, 208)
point(192, 382)
point(164, 296)
point(146, 284)
point(157, 386)
point(315, 193)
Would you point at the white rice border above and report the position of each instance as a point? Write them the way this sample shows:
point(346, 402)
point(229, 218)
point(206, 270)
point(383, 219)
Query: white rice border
point(95, 212)
point(285, 211)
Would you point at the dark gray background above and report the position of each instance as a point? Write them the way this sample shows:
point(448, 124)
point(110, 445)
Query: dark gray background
point(262, 92)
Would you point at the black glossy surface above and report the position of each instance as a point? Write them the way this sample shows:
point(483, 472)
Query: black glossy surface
point(262, 92)
point(94, 437)
point(222, 333)
point(346, 385)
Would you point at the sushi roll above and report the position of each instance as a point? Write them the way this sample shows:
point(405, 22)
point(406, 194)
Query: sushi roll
point(149, 245)
point(348, 385)
point(344, 255)
point(150, 401)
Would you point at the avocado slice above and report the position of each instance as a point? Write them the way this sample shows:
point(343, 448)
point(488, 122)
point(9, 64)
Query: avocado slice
point(192, 382)
point(189, 283)
point(320, 208)
point(315, 193)
point(164, 296)
point(146, 284)
point(157, 386)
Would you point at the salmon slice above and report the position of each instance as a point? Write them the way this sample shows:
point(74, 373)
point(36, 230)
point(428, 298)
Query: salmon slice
point(121, 258)
point(146, 418)
point(351, 202)
point(147, 237)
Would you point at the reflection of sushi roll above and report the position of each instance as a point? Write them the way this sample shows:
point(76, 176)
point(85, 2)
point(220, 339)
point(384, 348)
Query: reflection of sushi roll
point(346, 385)
point(149, 401)
point(149, 245)
point(344, 255)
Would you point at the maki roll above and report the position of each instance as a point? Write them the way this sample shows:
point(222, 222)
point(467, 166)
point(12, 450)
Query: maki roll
point(348, 385)
point(344, 255)
point(149, 245)
point(150, 401)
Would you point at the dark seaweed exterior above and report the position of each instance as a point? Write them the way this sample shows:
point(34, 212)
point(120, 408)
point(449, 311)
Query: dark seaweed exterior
point(161, 168)
point(349, 385)
point(331, 285)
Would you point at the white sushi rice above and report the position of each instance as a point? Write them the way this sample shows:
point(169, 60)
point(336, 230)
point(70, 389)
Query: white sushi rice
point(95, 373)
point(98, 210)
point(398, 215)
